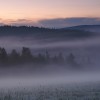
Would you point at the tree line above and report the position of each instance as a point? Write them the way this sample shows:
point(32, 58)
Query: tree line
point(26, 56)
point(44, 32)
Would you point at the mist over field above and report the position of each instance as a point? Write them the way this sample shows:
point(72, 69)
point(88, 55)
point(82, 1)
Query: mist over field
point(49, 50)
point(52, 64)
point(85, 49)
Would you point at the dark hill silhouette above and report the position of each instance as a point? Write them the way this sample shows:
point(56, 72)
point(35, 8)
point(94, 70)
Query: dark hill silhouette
point(43, 32)
point(90, 28)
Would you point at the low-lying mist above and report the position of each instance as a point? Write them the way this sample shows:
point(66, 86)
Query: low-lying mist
point(86, 52)
point(50, 75)
point(17, 80)
point(10, 42)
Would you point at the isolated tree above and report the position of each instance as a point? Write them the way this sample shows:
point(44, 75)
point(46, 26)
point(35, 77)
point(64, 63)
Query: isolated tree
point(26, 54)
point(55, 59)
point(71, 57)
point(71, 60)
point(41, 58)
point(47, 57)
point(3, 55)
point(60, 58)
point(14, 56)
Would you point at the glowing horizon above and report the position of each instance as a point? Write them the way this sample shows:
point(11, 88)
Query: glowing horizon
point(48, 9)
point(35, 12)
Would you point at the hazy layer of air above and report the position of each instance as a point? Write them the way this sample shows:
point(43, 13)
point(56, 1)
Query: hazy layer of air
point(86, 51)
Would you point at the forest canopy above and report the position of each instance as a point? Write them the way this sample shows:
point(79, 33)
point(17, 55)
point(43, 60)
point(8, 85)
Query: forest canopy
point(26, 57)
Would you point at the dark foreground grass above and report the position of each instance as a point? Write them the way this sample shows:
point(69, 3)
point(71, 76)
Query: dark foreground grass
point(61, 92)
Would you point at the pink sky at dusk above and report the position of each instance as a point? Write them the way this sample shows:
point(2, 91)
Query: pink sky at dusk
point(13, 10)
point(38, 9)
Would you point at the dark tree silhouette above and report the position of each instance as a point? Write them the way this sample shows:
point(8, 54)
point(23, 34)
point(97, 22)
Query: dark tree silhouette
point(60, 58)
point(14, 56)
point(41, 58)
point(71, 60)
point(47, 57)
point(26, 54)
point(55, 59)
point(3, 56)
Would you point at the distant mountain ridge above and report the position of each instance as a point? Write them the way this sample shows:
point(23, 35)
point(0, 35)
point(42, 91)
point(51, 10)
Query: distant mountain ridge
point(43, 32)
point(91, 28)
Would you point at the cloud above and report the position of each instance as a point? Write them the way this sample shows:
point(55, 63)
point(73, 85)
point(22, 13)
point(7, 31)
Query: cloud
point(23, 22)
point(18, 22)
point(2, 24)
point(53, 23)
point(67, 22)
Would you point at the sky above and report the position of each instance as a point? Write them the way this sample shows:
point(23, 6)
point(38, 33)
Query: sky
point(32, 12)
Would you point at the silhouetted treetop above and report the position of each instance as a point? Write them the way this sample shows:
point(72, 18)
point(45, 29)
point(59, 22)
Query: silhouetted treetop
point(26, 56)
